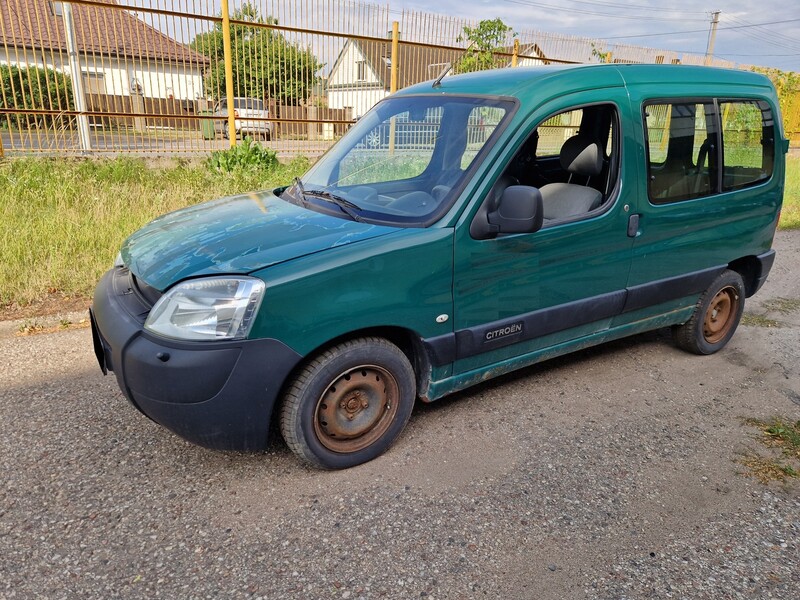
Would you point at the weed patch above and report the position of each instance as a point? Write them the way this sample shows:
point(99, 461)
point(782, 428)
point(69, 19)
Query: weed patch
point(783, 305)
point(754, 320)
point(776, 434)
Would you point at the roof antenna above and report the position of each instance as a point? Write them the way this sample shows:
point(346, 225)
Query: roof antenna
point(449, 66)
point(438, 81)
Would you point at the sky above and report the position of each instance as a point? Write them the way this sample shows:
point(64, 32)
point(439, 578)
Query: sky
point(750, 32)
point(679, 25)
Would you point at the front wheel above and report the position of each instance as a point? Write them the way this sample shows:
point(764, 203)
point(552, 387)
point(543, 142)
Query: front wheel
point(715, 317)
point(349, 404)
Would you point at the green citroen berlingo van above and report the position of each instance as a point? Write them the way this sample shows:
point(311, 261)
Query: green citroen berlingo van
point(461, 229)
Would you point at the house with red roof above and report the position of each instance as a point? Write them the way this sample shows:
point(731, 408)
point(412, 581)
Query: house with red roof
point(119, 52)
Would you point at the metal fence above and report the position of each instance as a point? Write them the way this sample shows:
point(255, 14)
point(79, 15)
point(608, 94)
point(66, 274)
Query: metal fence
point(159, 76)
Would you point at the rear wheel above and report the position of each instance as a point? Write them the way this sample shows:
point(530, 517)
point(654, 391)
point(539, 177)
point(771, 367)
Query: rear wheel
point(349, 404)
point(715, 317)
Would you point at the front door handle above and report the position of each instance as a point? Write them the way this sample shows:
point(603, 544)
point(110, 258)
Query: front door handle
point(633, 226)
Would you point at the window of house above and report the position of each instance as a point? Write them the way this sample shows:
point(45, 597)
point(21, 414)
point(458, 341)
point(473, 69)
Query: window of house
point(57, 9)
point(94, 83)
point(361, 67)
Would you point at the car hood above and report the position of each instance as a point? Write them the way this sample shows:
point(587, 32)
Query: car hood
point(239, 234)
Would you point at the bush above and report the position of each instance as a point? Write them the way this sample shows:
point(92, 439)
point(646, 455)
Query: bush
point(32, 88)
point(243, 157)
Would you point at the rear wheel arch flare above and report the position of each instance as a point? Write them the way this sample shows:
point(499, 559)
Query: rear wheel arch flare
point(749, 268)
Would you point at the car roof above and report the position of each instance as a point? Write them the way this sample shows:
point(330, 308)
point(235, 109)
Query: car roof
point(522, 81)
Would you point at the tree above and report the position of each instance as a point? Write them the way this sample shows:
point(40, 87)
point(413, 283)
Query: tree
point(787, 84)
point(36, 88)
point(485, 39)
point(603, 56)
point(265, 64)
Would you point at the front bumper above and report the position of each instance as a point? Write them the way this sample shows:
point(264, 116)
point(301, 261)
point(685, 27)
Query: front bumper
point(216, 394)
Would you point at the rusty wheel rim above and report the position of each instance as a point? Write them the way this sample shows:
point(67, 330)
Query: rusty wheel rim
point(720, 315)
point(356, 409)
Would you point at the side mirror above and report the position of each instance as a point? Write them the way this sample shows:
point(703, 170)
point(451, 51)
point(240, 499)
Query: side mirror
point(519, 210)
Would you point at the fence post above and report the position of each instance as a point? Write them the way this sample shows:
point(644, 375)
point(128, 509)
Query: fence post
point(228, 53)
point(395, 54)
point(516, 53)
point(312, 126)
point(393, 85)
point(77, 78)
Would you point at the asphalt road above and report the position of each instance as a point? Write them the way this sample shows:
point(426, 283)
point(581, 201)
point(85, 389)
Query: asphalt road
point(610, 473)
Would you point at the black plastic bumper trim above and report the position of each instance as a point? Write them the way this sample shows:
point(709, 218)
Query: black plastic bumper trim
point(216, 394)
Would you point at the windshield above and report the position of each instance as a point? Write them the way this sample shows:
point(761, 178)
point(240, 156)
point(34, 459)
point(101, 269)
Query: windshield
point(404, 161)
point(251, 103)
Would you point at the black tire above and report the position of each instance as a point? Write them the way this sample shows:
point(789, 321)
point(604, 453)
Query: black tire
point(349, 404)
point(715, 317)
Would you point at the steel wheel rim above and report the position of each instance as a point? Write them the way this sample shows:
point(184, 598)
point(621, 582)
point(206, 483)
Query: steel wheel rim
point(720, 315)
point(356, 409)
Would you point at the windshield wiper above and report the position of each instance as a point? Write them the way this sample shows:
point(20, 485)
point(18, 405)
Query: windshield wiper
point(298, 185)
point(347, 207)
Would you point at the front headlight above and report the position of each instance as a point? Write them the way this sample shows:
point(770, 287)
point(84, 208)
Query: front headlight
point(214, 308)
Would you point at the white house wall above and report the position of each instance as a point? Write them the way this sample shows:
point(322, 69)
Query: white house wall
point(345, 90)
point(529, 62)
point(359, 100)
point(345, 72)
point(157, 79)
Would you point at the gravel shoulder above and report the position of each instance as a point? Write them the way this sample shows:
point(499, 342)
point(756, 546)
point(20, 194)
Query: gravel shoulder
point(610, 473)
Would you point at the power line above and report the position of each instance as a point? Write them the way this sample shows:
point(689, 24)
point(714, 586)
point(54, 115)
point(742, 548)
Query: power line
point(755, 55)
point(769, 32)
point(596, 13)
point(733, 27)
point(629, 7)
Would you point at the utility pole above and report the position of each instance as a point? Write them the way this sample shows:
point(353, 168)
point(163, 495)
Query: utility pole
point(712, 35)
point(77, 78)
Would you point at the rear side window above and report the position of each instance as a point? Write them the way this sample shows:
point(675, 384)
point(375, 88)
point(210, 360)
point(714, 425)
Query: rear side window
point(748, 134)
point(681, 140)
point(699, 148)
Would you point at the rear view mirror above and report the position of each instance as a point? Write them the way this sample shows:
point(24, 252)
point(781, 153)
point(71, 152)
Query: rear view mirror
point(519, 210)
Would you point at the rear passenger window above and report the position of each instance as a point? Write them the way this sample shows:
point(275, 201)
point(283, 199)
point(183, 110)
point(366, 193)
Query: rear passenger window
point(681, 142)
point(748, 132)
point(684, 154)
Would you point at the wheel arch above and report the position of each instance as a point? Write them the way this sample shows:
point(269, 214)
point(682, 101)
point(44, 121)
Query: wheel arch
point(406, 340)
point(749, 267)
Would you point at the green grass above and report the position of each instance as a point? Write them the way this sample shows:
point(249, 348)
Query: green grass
point(790, 215)
point(62, 221)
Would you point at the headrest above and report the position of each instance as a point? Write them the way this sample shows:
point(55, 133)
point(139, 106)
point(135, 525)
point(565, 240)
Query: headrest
point(581, 155)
